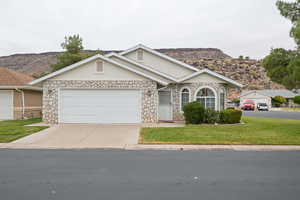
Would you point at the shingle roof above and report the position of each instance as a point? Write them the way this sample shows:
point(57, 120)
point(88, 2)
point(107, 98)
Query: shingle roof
point(10, 77)
point(271, 93)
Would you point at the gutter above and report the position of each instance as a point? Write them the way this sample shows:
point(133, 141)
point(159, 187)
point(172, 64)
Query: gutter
point(22, 87)
point(23, 102)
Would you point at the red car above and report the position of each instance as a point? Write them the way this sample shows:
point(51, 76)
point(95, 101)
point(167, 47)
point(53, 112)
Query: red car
point(248, 105)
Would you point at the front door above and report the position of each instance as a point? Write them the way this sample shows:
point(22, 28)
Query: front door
point(165, 106)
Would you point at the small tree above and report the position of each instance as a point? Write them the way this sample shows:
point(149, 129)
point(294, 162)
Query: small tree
point(279, 100)
point(241, 57)
point(73, 52)
point(297, 99)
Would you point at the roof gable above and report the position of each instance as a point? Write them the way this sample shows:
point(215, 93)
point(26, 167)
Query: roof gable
point(92, 58)
point(145, 48)
point(212, 74)
point(150, 69)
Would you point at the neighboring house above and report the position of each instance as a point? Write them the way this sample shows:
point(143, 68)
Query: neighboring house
point(136, 85)
point(265, 96)
point(17, 99)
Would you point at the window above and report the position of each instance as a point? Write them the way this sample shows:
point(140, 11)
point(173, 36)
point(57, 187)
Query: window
point(206, 97)
point(222, 100)
point(185, 97)
point(140, 54)
point(99, 66)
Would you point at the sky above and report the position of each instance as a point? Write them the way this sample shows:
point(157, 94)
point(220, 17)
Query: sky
point(248, 28)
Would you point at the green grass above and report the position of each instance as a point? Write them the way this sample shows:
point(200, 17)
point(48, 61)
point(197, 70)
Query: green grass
point(260, 131)
point(290, 109)
point(11, 130)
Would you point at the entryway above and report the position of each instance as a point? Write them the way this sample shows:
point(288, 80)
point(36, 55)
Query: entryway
point(165, 106)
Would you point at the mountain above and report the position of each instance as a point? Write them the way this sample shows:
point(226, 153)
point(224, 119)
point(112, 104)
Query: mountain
point(248, 72)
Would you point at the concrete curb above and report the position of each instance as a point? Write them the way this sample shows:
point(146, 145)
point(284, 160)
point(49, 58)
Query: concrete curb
point(166, 147)
point(216, 147)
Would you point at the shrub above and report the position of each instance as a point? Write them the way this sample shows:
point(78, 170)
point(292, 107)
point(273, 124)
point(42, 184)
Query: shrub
point(279, 99)
point(211, 116)
point(297, 99)
point(230, 116)
point(193, 113)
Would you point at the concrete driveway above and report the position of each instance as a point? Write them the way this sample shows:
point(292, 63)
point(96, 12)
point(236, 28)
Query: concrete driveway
point(81, 136)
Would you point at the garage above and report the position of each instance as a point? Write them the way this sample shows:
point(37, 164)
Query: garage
point(100, 106)
point(6, 105)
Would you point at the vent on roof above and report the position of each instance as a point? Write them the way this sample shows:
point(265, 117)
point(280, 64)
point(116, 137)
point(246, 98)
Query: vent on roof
point(99, 66)
point(140, 54)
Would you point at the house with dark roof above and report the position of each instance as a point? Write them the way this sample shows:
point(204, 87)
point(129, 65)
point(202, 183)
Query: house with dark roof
point(17, 99)
point(265, 96)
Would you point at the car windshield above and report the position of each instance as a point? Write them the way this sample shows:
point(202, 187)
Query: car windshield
point(262, 104)
point(249, 103)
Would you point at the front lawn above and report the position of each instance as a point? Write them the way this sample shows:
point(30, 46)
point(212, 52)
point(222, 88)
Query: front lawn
point(290, 109)
point(268, 131)
point(11, 130)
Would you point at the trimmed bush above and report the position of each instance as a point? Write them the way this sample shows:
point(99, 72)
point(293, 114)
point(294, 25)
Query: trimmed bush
point(230, 116)
point(211, 116)
point(280, 99)
point(297, 99)
point(193, 113)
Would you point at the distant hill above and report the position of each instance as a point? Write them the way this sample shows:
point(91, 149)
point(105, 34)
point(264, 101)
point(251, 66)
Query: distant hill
point(248, 72)
point(38, 63)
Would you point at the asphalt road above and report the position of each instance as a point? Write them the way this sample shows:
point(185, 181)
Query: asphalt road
point(143, 175)
point(273, 114)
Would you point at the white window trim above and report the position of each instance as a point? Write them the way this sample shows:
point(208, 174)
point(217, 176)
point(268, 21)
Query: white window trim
point(180, 97)
point(214, 91)
point(97, 67)
point(222, 90)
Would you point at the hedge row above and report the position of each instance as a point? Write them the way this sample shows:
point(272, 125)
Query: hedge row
point(195, 113)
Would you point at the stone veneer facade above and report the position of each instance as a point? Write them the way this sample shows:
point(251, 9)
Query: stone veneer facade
point(176, 89)
point(51, 91)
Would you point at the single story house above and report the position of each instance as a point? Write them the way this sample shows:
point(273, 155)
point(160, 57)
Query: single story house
point(17, 99)
point(133, 86)
point(265, 96)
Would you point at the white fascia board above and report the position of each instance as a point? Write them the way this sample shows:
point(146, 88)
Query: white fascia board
point(142, 66)
point(213, 74)
point(65, 69)
point(140, 46)
point(22, 87)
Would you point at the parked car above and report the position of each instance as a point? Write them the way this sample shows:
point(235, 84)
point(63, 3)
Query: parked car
point(248, 105)
point(262, 106)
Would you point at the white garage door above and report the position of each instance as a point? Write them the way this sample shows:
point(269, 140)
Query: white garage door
point(100, 106)
point(6, 105)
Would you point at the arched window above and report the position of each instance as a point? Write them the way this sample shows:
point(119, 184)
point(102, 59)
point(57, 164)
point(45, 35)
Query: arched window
point(206, 97)
point(185, 97)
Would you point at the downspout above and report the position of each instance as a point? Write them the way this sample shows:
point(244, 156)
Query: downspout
point(23, 102)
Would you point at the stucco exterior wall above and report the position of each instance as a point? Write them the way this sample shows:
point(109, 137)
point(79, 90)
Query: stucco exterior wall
point(161, 64)
point(141, 70)
point(88, 72)
point(193, 87)
point(51, 95)
point(204, 78)
point(32, 102)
